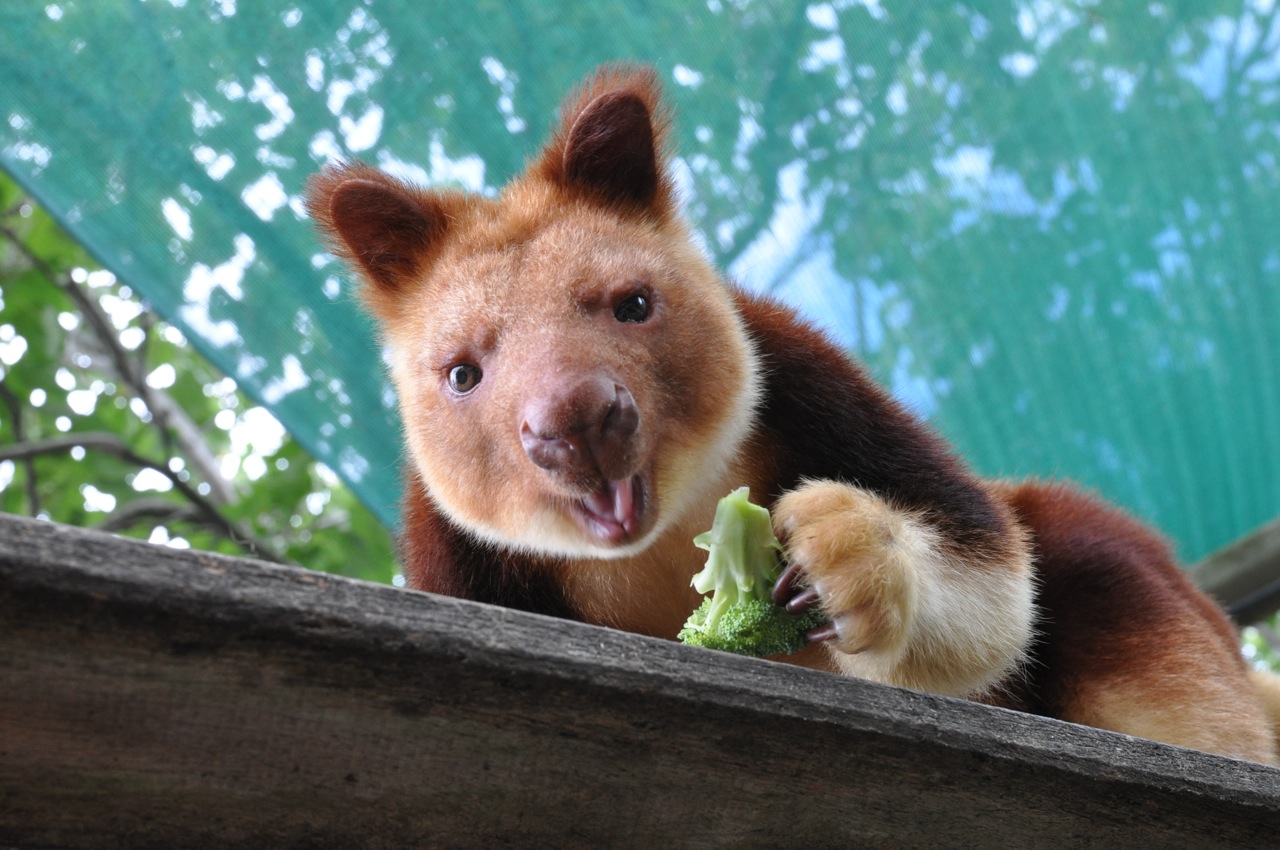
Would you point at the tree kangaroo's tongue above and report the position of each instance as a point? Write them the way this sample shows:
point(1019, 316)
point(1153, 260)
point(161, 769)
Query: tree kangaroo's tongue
point(614, 507)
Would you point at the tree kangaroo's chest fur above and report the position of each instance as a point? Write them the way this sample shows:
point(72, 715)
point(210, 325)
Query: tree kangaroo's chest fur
point(579, 386)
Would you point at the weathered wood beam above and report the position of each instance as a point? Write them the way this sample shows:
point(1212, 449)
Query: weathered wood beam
point(157, 698)
point(1244, 576)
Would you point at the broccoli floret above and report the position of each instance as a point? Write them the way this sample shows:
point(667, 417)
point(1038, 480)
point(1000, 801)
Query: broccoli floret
point(741, 569)
point(751, 627)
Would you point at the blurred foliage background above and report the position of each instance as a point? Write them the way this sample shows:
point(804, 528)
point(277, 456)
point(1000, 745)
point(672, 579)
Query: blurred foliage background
point(109, 418)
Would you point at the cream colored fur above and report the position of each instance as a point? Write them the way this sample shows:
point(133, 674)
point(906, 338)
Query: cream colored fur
point(908, 611)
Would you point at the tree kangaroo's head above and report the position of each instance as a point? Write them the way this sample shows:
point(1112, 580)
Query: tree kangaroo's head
point(572, 373)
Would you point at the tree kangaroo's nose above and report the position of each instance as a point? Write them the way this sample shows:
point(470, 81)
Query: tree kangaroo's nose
point(581, 426)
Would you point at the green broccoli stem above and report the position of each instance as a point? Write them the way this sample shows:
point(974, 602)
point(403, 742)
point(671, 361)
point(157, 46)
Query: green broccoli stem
point(743, 555)
point(742, 567)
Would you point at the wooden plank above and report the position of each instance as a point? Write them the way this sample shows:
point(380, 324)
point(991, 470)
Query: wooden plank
point(158, 698)
point(1244, 576)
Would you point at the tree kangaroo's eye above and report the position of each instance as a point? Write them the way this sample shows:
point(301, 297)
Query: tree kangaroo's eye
point(634, 309)
point(463, 378)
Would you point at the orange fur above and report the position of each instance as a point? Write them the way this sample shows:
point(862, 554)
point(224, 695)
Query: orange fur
point(578, 386)
point(1126, 641)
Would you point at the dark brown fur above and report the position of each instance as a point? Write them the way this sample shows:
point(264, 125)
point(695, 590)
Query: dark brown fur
point(439, 557)
point(822, 417)
point(1118, 617)
point(612, 152)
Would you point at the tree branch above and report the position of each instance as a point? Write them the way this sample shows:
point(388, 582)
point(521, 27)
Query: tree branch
point(20, 435)
point(113, 445)
point(1261, 48)
point(164, 412)
point(163, 510)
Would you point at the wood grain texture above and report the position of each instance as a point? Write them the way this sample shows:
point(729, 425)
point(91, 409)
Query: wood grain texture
point(1244, 576)
point(157, 698)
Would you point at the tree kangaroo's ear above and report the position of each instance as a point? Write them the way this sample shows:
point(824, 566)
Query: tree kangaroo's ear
point(387, 230)
point(609, 146)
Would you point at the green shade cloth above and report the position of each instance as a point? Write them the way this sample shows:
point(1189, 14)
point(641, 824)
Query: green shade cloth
point(1049, 227)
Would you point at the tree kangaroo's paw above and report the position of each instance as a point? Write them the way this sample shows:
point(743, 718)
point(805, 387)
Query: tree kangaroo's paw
point(907, 605)
point(853, 555)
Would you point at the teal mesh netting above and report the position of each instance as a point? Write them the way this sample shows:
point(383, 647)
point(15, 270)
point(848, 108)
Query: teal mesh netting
point(1049, 226)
